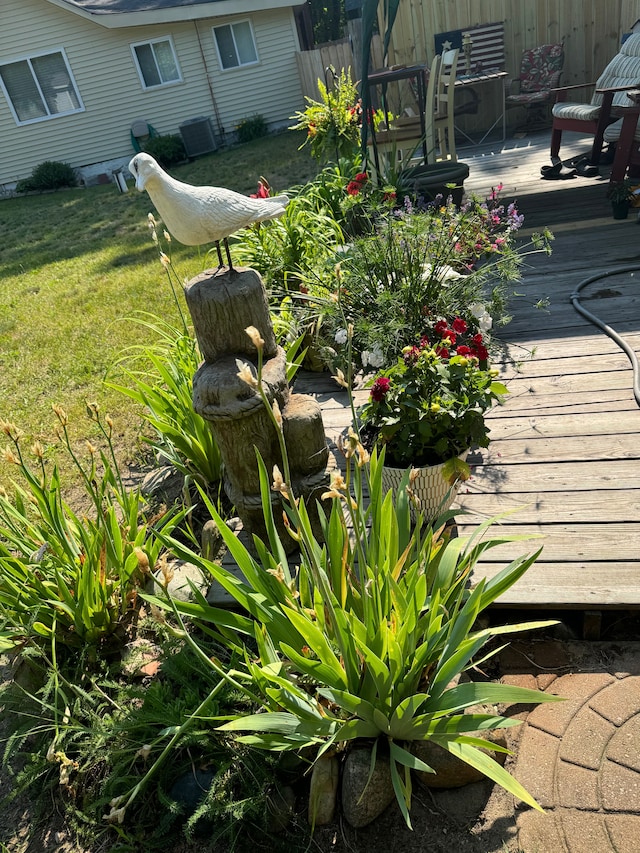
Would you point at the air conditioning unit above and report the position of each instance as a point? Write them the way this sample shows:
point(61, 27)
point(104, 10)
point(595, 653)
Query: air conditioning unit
point(197, 136)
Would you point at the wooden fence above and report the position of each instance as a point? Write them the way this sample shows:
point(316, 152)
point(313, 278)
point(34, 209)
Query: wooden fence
point(590, 29)
point(338, 54)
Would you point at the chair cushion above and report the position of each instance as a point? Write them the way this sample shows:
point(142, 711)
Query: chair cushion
point(612, 133)
point(529, 97)
point(623, 70)
point(579, 112)
point(538, 65)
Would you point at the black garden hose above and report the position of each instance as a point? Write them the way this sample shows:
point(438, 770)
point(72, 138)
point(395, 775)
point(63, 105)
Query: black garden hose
point(575, 301)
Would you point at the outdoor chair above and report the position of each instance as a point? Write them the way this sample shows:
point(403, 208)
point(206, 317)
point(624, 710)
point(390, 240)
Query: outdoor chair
point(624, 134)
point(141, 132)
point(620, 75)
point(406, 133)
point(540, 72)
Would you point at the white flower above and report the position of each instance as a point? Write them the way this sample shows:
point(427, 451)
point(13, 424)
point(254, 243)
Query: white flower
point(485, 322)
point(372, 358)
point(341, 336)
point(477, 309)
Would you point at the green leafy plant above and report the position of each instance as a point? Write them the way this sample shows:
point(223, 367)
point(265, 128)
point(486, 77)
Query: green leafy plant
point(49, 175)
point(168, 150)
point(421, 263)
point(333, 123)
point(430, 406)
point(364, 639)
point(161, 379)
point(620, 192)
point(65, 575)
point(253, 127)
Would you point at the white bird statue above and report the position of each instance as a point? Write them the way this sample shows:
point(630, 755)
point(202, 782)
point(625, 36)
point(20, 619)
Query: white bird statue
point(197, 215)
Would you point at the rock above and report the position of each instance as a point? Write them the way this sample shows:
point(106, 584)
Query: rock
point(452, 772)
point(141, 658)
point(183, 572)
point(165, 484)
point(361, 806)
point(281, 803)
point(189, 790)
point(323, 790)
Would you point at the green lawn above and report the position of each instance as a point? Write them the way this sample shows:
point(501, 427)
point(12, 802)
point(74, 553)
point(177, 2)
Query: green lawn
point(76, 265)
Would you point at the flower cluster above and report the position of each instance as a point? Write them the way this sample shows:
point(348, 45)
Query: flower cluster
point(333, 124)
point(429, 407)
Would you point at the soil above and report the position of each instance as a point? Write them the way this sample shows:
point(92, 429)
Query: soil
point(478, 818)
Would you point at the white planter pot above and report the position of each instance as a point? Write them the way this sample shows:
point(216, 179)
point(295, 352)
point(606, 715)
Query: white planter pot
point(432, 491)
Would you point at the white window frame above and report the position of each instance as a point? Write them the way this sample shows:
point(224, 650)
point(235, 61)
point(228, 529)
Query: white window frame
point(231, 25)
point(150, 42)
point(28, 58)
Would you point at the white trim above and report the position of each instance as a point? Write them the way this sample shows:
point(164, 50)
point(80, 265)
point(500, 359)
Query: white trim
point(27, 57)
point(159, 40)
point(233, 24)
point(220, 9)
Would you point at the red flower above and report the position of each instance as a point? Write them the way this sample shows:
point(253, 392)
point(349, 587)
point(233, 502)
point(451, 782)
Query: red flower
point(478, 339)
point(459, 326)
point(380, 388)
point(464, 350)
point(361, 178)
point(440, 327)
point(480, 352)
point(353, 188)
point(441, 351)
point(263, 191)
point(424, 341)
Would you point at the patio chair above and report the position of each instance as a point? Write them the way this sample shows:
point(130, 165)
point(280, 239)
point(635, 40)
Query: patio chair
point(624, 134)
point(540, 72)
point(141, 132)
point(620, 75)
point(406, 132)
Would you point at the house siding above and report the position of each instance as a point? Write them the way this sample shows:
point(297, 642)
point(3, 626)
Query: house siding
point(112, 94)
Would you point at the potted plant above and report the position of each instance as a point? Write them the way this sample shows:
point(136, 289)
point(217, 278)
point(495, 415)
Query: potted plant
point(620, 194)
point(428, 409)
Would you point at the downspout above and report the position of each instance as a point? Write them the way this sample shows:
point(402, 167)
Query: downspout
point(221, 130)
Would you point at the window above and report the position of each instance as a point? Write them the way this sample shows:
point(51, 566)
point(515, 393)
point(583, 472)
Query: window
point(236, 45)
point(156, 62)
point(40, 87)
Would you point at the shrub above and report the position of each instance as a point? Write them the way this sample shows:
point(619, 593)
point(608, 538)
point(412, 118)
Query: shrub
point(50, 175)
point(254, 127)
point(167, 150)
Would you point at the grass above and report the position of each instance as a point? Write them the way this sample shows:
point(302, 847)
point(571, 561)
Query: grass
point(76, 264)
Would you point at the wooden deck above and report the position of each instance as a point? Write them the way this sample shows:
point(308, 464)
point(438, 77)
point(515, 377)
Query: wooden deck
point(565, 447)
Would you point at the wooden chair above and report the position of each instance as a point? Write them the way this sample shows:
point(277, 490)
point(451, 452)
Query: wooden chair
point(406, 135)
point(624, 134)
point(440, 130)
point(620, 75)
point(540, 72)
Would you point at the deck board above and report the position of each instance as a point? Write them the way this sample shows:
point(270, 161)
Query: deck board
point(565, 445)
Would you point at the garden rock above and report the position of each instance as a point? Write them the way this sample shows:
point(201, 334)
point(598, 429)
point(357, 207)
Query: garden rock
point(281, 803)
point(178, 586)
point(323, 790)
point(189, 790)
point(359, 806)
point(450, 771)
point(165, 484)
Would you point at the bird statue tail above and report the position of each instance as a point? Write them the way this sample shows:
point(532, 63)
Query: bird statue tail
point(280, 199)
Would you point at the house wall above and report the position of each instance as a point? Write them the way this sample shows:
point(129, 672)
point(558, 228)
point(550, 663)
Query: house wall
point(591, 31)
point(112, 94)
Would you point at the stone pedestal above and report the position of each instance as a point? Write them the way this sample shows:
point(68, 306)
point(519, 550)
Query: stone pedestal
point(222, 305)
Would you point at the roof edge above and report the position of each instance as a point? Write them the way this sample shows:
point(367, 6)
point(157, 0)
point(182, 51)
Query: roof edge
point(118, 20)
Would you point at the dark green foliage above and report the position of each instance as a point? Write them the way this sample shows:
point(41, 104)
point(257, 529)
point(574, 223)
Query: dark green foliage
point(251, 128)
point(50, 175)
point(167, 150)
